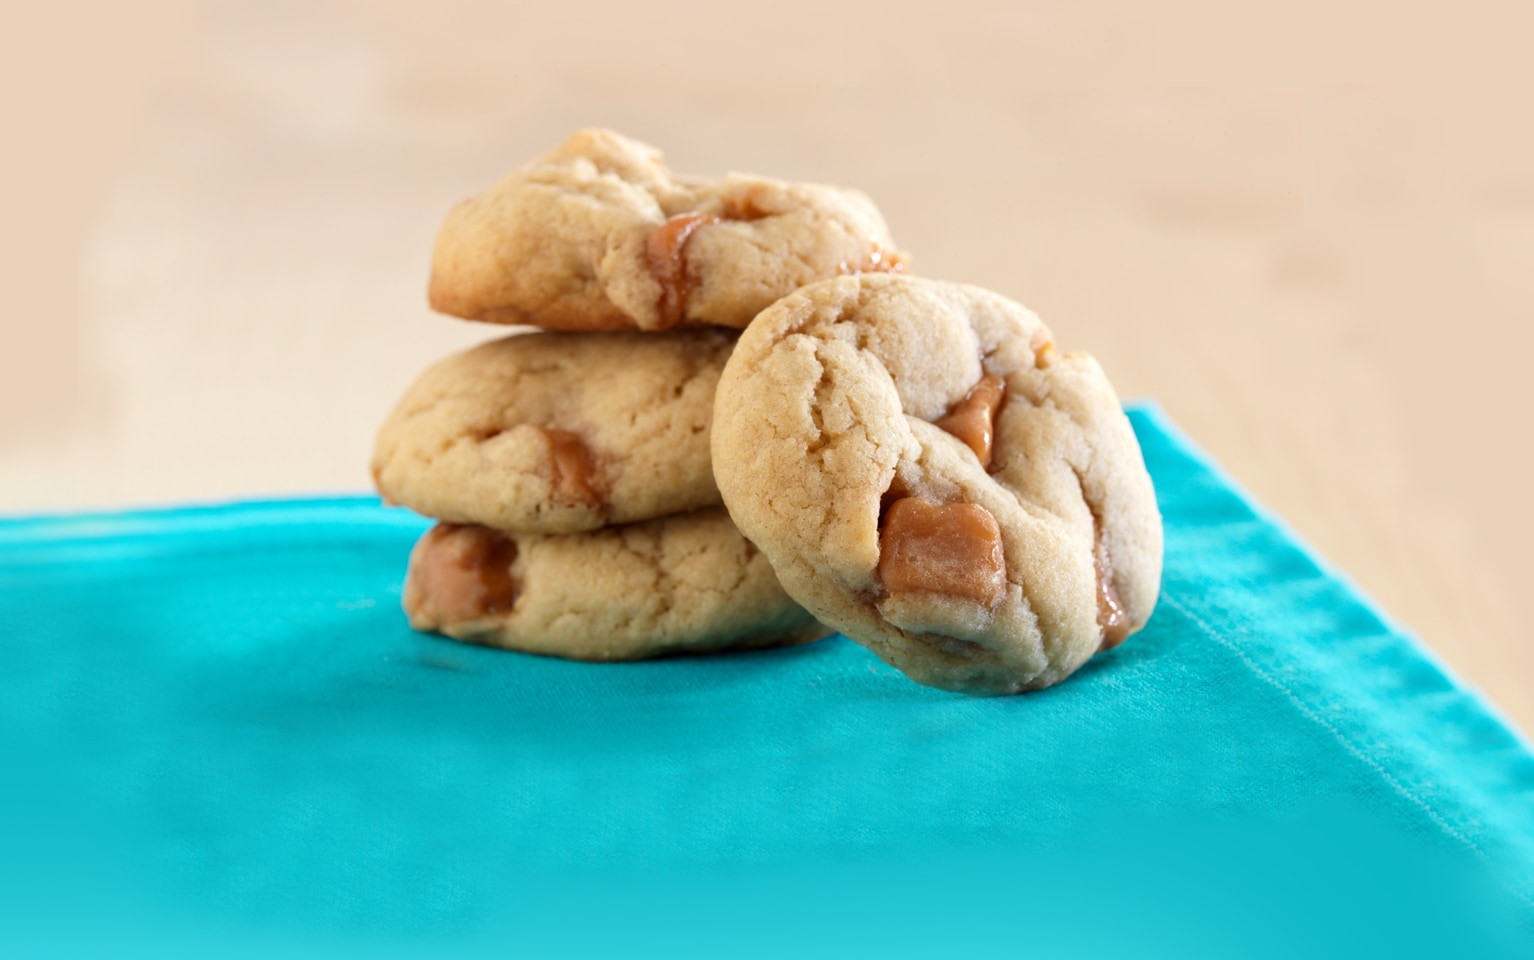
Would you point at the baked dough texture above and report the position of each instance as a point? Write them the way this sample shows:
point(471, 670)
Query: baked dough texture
point(558, 432)
point(826, 417)
point(599, 235)
point(680, 584)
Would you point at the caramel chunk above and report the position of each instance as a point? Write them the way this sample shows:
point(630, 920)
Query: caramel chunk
point(879, 261)
point(573, 466)
point(952, 549)
point(665, 249)
point(460, 573)
point(1111, 615)
point(973, 419)
point(744, 208)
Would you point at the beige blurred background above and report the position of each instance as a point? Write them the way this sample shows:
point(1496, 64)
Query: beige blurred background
point(1305, 228)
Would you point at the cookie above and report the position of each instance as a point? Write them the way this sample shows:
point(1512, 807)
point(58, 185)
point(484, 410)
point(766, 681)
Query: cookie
point(686, 583)
point(930, 476)
point(558, 432)
point(599, 235)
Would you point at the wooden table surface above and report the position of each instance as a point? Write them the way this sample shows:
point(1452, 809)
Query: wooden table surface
point(1307, 233)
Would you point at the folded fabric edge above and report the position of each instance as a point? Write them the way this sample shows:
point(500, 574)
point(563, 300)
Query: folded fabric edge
point(1154, 415)
point(1494, 782)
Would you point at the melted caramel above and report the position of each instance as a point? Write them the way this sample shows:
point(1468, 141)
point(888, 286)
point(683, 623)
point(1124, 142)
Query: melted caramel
point(462, 573)
point(973, 419)
point(1111, 615)
point(574, 466)
point(952, 549)
point(665, 249)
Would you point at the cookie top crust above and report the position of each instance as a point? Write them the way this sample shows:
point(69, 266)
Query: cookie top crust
point(598, 234)
point(558, 432)
point(685, 583)
point(930, 476)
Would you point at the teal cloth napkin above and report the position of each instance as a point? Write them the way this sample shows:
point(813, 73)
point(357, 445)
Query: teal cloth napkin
point(218, 729)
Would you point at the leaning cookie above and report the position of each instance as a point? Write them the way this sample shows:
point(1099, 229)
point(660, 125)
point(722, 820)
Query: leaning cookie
point(599, 235)
point(930, 476)
point(558, 432)
point(688, 583)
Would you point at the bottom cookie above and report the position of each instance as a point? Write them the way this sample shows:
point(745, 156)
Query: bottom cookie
point(680, 584)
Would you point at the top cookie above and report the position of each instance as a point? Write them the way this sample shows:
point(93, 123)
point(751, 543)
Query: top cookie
point(928, 475)
point(599, 235)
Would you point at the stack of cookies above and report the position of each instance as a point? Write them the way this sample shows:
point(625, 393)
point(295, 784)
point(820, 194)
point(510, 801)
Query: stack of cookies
point(910, 462)
point(570, 468)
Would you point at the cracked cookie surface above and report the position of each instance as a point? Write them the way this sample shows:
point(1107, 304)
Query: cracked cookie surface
point(685, 583)
point(558, 432)
point(930, 476)
point(599, 235)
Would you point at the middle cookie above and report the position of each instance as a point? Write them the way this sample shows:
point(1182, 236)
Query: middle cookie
point(558, 432)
